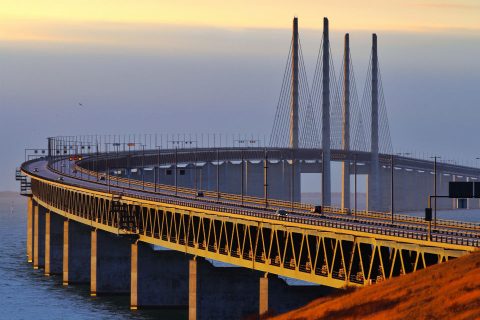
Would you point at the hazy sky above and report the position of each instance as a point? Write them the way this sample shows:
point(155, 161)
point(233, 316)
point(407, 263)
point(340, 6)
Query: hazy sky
point(217, 66)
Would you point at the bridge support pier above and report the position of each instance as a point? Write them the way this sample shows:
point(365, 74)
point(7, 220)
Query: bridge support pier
point(53, 243)
point(30, 209)
point(76, 253)
point(276, 296)
point(158, 278)
point(345, 185)
point(109, 263)
point(38, 236)
point(221, 292)
point(236, 293)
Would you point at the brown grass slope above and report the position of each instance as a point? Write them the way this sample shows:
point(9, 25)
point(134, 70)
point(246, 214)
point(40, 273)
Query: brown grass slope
point(447, 291)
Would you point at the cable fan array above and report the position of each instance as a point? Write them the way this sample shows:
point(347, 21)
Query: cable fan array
point(310, 108)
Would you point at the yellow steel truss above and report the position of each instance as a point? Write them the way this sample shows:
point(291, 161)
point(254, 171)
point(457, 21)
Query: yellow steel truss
point(318, 254)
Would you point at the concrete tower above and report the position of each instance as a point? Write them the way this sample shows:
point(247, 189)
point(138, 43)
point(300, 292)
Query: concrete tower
point(373, 198)
point(294, 102)
point(326, 189)
point(346, 124)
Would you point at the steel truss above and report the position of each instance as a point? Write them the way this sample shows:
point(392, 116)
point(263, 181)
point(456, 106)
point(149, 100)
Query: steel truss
point(318, 254)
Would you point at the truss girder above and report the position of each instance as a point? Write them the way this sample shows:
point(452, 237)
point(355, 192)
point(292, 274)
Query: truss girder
point(308, 253)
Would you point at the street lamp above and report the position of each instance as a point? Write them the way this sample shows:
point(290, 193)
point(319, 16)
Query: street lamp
point(143, 166)
point(265, 177)
point(355, 184)
point(435, 190)
point(175, 175)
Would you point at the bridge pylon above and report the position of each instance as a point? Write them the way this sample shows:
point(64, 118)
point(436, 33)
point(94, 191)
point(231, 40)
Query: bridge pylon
point(294, 88)
point(373, 198)
point(326, 171)
point(346, 124)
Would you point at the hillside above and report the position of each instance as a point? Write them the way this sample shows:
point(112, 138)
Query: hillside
point(447, 291)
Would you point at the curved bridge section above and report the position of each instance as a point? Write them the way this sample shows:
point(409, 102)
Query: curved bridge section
point(334, 247)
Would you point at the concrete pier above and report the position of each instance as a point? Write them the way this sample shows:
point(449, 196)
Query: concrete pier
point(237, 293)
point(53, 243)
point(30, 209)
point(76, 252)
point(39, 237)
point(157, 278)
point(109, 263)
point(276, 296)
point(221, 293)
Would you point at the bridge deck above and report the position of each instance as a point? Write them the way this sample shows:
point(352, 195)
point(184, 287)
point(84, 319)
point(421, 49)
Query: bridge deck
point(318, 248)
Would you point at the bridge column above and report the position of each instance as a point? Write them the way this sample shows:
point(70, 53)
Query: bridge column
point(53, 243)
point(221, 292)
point(237, 293)
point(276, 296)
point(109, 263)
point(30, 210)
point(38, 237)
point(157, 278)
point(76, 252)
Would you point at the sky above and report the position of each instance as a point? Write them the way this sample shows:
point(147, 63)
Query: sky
point(149, 66)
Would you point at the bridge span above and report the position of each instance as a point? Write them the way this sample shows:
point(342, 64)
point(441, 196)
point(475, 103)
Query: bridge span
point(92, 219)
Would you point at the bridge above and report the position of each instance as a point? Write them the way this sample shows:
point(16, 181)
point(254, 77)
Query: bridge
point(219, 229)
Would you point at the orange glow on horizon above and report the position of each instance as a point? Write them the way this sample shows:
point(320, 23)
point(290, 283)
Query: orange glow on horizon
point(32, 20)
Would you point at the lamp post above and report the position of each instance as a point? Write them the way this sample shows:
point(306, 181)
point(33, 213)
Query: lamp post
point(265, 176)
point(292, 180)
point(175, 175)
point(218, 176)
point(143, 166)
point(243, 174)
point(355, 185)
point(435, 190)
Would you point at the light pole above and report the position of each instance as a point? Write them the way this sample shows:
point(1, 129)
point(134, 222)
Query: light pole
point(292, 182)
point(156, 170)
point(143, 166)
point(243, 174)
point(435, 190)
point(218, 176)
point(265, 176)
point(176, 165)
point(355, 185)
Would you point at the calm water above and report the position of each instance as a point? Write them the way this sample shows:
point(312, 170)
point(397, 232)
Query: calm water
point(26, 293)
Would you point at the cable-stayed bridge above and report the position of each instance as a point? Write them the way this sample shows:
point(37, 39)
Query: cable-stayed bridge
point(100, 207)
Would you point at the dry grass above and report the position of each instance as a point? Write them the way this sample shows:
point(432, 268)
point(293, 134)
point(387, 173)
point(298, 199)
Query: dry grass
point(447, 291)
